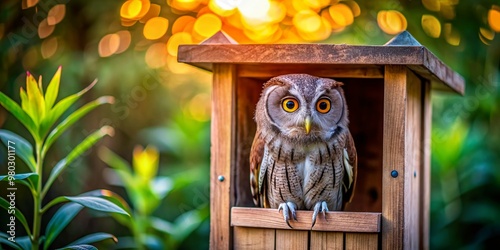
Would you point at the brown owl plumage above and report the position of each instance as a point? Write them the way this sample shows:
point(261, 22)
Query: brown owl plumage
point(303, 155)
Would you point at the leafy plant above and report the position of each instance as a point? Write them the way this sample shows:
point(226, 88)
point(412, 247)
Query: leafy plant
point(146, 191)
point(39, 113)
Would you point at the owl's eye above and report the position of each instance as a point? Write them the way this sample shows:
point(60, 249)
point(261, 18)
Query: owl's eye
point(323, 105)
point(290, 105)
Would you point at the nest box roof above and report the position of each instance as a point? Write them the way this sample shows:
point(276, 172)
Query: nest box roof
point(401, 50)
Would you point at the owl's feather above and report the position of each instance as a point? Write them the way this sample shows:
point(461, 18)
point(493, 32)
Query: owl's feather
point(289, 165)
point(351, 166)
point(258, 187)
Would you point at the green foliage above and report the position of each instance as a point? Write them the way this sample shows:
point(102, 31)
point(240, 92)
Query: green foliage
point(146, 191)
point(39, 113)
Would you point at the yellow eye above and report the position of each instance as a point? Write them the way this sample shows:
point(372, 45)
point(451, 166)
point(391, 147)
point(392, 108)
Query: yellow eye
point(323, 105)
point(290, 105)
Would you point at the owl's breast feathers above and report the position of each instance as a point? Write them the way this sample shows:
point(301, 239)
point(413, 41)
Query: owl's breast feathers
point(280, 172)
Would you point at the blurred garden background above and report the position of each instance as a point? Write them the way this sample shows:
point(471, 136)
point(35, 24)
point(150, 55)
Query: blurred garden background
point(164, 106)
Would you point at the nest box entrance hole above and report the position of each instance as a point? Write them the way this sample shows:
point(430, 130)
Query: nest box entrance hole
point(365, 100)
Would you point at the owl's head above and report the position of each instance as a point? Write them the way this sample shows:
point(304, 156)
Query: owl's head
point(302, 107)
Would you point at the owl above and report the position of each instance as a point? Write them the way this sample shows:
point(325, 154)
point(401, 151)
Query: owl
point(303, 156)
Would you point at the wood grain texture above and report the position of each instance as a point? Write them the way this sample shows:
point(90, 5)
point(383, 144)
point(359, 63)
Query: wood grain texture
point(247, 95)
point(426, 167)
point(336, 221)
point(246, 238)
point(393, 157)
point(326, 240)
point(292, 240)
point(361, 241)
point(417, 57)
point(222, 129)
point(320, 70)
point(413, 148)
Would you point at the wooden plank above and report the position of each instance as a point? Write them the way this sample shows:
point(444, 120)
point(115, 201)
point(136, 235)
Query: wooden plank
point(335, 221)
point(321, 70)
point(223, 104)
point(246, 238)
point(417, 57)
point(301, 53)
point(393, 157)
point(443, 72)
point(413, 142)
point(292, 240)
point(361, 241)
point(247, 95)
point(326, 240)
point(426, 167)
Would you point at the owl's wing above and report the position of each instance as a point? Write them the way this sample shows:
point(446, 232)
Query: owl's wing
point(258, 183)
point(351, 168)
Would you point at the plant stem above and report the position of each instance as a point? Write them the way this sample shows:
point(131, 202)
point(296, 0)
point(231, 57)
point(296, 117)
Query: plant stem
point(137, 230)
point(37, 198)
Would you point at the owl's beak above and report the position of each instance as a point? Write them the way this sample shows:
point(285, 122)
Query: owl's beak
point(307, 124)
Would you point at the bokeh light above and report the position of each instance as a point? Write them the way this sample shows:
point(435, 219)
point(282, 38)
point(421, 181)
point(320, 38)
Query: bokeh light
point(156, 55)
point(431, 26)
point(494, 18)
point(486, 35)
point(391, 21)
point(176, 40)
point(451, 34)
point(56, 14)
point(45, 29)
point(155, 28)
point(432, 5)
point(109, 45)
point(125, 39)
point(258, 21)
point(49, 47)
point(206, 26)
point(199, 107)
point(29, 3)
point(154, 11)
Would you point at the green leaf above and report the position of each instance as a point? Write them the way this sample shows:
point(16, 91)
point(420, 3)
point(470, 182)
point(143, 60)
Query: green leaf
point(53, 89)
point(120, 167)
point(113, 160)
point(4, 239)
point(61, 107)
point(92, 238)
point(75, 153)
point(97, 203)
point(14, 212)
point(59, 221)
point(70, 120)
point(24, 99)
point(110, 196)
point(28, 179)
point(24, 242)
point(80, 247)
point(36, 103)
point(117, 200)
point(23, 148)
point(19, 113)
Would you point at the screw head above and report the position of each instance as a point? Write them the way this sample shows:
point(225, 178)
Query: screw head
point(221, 178)
point(415, 173)
point(394, 173)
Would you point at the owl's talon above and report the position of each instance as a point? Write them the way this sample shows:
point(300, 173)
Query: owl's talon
point(288, 207)
point(320, 206)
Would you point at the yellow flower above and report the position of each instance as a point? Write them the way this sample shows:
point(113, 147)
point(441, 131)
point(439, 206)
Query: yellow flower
point(145, 162)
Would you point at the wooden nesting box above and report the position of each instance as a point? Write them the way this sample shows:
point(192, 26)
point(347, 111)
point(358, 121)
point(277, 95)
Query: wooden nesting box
point(387, 89)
